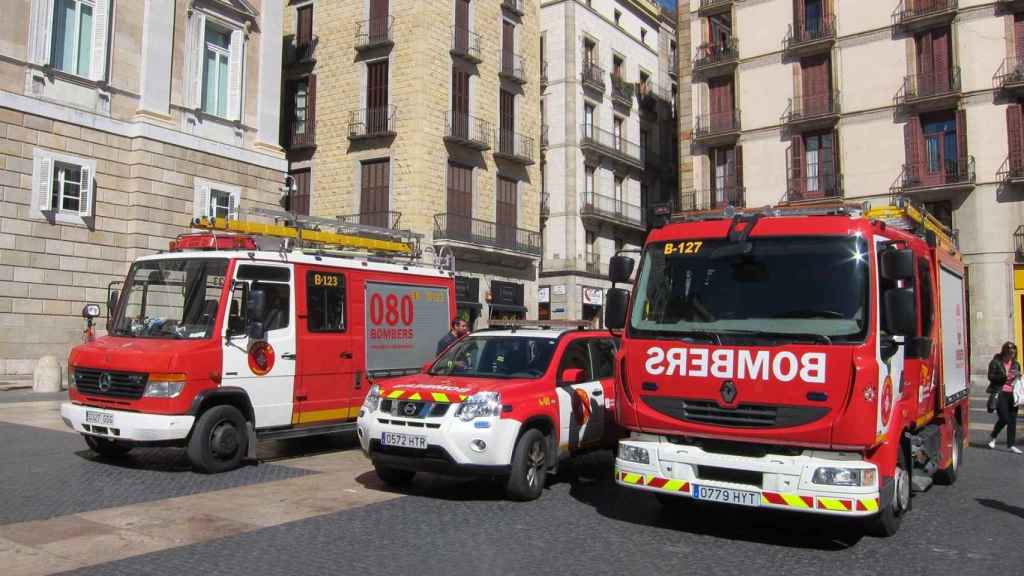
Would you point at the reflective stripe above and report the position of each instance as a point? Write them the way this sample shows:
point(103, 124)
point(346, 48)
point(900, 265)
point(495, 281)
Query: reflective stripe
point(395, 394)
point(439, 397)
point(834, 504)
point(867, 504)
point(654, 482)
point(415, 396)
point(797, 501)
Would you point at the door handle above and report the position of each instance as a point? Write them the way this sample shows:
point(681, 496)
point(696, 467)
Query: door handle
point(346, 355)
point(288, 356)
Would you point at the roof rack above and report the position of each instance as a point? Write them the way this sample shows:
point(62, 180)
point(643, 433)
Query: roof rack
point(539, 324)
point(825, 207)
point(905, 214)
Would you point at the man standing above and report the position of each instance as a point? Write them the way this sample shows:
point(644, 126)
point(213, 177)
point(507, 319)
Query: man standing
point(458, 330)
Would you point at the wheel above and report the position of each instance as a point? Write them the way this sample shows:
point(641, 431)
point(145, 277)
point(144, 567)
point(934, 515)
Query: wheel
point(105, 447)
point(948, 476)
point(393, 476)
point(218, 440)
point(529, 467)
point(887, 521)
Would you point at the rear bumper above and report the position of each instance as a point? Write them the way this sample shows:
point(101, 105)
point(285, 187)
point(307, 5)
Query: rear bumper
point(128, 426)
point(785, 480)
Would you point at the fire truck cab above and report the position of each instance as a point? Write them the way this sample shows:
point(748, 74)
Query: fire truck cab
point(216, 344)
point(811, 359)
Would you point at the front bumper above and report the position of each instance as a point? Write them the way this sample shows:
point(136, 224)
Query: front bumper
point(128, 426)
point(675, 469)
point(449, 443)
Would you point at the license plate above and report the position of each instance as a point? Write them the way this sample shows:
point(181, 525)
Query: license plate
point(101, 418)
point(404, 440)
point(727, 495)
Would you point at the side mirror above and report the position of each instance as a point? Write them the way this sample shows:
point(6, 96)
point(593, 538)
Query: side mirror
point(896, 264)
point(255, 330)
point(573, 376)
point(111, 302)
point(620, 268)
point(616, 302)
point(90, 311)
point(255, 306)
point(900, 311)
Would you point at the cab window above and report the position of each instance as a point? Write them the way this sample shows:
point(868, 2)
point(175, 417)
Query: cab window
point(325, 301)
point(576, 356)
point(274, 283)
point(602, 352)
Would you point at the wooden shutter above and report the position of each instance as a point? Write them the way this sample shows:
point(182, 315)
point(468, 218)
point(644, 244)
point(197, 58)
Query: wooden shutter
point(912, 137)
point(233, 205)
point(737, 194)
point(40, 31)
point(304, 30)
point(834, 184)
point(796, 165)
point(201, 208)
point(462, 25)
point(508, 34)
point(799, 16)
point(374, 201)
point(198, 43)
point(299, 202)
point(1018, 36)
point(507, 210)
point(44, 184)
point(940, 53)
point(814, 72)
point(460, 103)
point(377, 97)
point(85, 196)
point(378, 25)
point(235, 63)
point(100, 27)
point(962, 154)
point(311, 109)
point(460, 200)
point(1015, 144)
point(507, 120)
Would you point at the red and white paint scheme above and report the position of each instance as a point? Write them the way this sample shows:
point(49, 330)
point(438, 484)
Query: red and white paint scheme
point(506, 403)
point(807, 358)
point(215, 344)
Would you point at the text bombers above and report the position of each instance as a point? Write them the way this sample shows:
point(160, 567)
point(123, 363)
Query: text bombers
point(726, 363)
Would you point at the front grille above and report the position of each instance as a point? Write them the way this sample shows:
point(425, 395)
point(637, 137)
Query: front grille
point(122, 384)
point(731, 475)
point(742, 416)
point(422, 409)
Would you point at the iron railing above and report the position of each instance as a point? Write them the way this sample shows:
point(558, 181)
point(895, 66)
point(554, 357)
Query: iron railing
point(611, 208)
point(448, 226)
point(516, 6)
point(372, 122)
point(469, 130)
point(716, 124)
point(374, 33)
point(513, 67)
point(389, 219)
point(303, 133)
point(814, 187)
point(811, 31)
point(1011, 170)
point(712, 198)
point(622, 92)
point(951, 172)
point(711, 6)
point(910, 10)
point(610, 142)
point(592, 262)
point(466, 44)
point(514, 146)
point(711, 54)
point(1010, 74)
point(928, 85)
point(593, 76)
point(811, 106)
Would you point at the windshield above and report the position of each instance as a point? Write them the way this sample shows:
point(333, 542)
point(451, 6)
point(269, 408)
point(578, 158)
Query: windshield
point(496, 357)
point(171, 299)
point(808, 288)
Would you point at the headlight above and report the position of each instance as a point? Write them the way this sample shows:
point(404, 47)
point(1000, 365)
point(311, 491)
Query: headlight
point(71, 377)
point(832, 476)
point(164, 385)
point(632, 453)
point(372, 399)
point(480, 405)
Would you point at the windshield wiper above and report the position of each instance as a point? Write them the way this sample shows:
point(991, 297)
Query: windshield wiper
point(822, 338)
point(709, 335)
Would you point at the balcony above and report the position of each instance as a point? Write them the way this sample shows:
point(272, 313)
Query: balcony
point(593, 77)
point(517, 7)
point(473, 233)
point(952, 175)
point(930, 91)
point(388, 219)
point(468, 131)
point(303, 51)
point(514, 147)
point(710, 7)
point(302, 133)
point(594, 140)
point(651, 93)
point(1010, 77)
point(372, 123)
point(716, 59)
point(812, 188)
point(598, 208)
point(466, 45)
point(814, 112)
point(622, 92)
point(1011, 171)
point(813, 37)
point(512, 67)
point(914, 15)
point(717, 129)
point(1010, 5)
point(374, 33)
point(712, 198)
point(595, 264)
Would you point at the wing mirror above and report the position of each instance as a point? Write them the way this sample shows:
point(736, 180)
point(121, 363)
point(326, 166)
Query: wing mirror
point(620, 268)
point(616, 302)
point(900, 311)
point(255, 307)
point(896, 264)
point(90, 311)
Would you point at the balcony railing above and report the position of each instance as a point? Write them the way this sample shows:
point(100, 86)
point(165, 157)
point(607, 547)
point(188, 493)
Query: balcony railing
point(466, 44)
point(593, 76)
point(713, 198)
point(951, 173)
point(386, 219)
point(716, 56)
point(612, 209)
point(917, 88)
point(812, 35)
point(304, 49)
point(593, 263)
point(517, 7)
point(514, 146)
point(374, 33)
point(1010, 75)
point(814, 187)
point(910, 14)
point(372, 122)
point(609, 143)
point(716, 125)
point(812, 107)
point(512, 67)
point(1018, 242)
point(708, 7)
point(622, 92)
point(487, 234)
point(303, 133)
point(470, 131)
point(650, 92)
point(1011, 171)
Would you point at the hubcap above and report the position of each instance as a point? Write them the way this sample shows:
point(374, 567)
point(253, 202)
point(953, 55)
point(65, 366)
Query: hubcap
point(535, 461)
point(901, 497)
point(224, 440)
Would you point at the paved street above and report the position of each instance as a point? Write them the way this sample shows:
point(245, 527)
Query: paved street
point(315, 507)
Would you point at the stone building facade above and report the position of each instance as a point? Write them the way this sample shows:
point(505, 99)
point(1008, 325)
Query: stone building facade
point(120, 121)
point(423, 116)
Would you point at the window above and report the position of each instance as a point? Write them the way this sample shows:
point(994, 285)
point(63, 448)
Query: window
point(302, 95)
point(216, 60)
point(618, 133)
point(820, 167)
point(618, 188)
point(643, 36)
point(304, 31)
point(301, 100)
point(375, 193)
point(215, 200)
point(220, 204)
point(67, 187)
point(73, 36)
point(298, 200)
point(617, 68)
point(618, 18)
point(591, 241)
point(588, 179)
point(273, 280)
point(62, 187)
point(215, 72)
point(602, 351)
point(325, 301)
point(620, 244)
point(588, 117)
point(589, 52)
point(576, 356)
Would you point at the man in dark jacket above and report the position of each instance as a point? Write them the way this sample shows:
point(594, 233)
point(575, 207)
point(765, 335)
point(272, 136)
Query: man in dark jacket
point(458, 330)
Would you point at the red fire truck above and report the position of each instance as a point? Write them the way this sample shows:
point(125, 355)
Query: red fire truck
point(810, 359)
point(215, 343)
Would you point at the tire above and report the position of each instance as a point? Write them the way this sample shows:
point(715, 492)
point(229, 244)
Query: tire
point(393, 476)
point(887, 522)
point(529, 469)
point(947, 477)
point(108, 448)
point(219, 440)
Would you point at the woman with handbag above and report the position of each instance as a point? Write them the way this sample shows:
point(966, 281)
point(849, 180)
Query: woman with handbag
point(1003, 370)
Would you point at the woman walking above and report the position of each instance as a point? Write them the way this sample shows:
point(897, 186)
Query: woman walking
point(1002, 371)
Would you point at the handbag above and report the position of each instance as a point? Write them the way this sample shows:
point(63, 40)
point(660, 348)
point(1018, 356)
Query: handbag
point(1018, 392)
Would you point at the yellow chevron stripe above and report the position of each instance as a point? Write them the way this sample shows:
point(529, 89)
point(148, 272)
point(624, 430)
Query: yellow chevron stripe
point(415, 396)
point(832, 504)
point(764, 499)
point(439, 397)
point(673, 485)
point(395, 394)
point(631, 478)
point(870, 504)
point(794, 501)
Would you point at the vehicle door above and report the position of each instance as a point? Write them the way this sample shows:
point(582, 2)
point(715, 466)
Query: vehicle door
point(890, 356)
point(580, 398)
point(602, 357)
point(264, 368)
point(326, 359)
point(920, 356)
